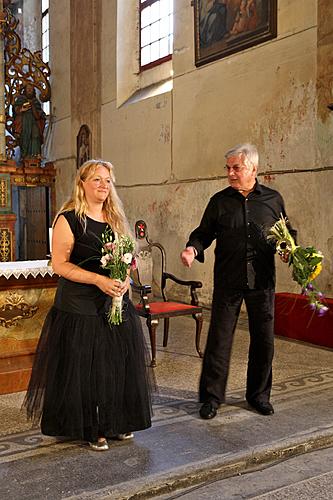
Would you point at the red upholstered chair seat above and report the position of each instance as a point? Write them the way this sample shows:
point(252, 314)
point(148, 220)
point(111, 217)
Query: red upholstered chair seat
point(168, 308)
point(155, 309)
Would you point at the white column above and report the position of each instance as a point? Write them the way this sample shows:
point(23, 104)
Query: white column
point(32, 19)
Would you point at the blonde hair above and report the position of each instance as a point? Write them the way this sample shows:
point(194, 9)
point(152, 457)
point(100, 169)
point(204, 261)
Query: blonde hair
point(112, 207)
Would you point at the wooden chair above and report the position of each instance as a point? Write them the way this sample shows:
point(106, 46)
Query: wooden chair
point(155, 309)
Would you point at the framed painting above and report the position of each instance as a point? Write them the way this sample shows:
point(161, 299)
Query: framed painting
point(223, 27)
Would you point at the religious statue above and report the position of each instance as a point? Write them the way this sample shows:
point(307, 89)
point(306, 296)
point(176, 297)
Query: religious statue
point(28, 122)
point(83, 145)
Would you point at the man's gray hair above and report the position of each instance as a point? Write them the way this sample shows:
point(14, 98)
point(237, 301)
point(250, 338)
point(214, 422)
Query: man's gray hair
point(249, 151)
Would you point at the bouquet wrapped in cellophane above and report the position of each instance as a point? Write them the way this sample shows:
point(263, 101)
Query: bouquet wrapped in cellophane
point(306, 263)
point(118, 255)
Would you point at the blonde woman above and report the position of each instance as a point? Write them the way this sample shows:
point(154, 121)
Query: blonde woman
point(89, 379)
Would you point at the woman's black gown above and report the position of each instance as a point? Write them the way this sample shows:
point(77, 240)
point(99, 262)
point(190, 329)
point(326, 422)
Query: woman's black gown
point(89, 379)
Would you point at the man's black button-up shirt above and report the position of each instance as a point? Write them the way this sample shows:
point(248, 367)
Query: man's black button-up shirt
point(244, 258)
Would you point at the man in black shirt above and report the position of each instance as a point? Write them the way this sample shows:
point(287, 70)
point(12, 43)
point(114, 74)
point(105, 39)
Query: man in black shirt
point(239, 218)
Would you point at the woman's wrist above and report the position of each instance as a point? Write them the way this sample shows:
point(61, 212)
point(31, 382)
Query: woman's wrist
point(97, 280)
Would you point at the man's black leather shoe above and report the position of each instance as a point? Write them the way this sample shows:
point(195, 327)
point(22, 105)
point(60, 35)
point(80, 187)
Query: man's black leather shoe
point(263, 407)
point(207, 411)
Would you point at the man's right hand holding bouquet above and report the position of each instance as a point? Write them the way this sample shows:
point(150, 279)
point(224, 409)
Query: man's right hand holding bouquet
point(306, 263)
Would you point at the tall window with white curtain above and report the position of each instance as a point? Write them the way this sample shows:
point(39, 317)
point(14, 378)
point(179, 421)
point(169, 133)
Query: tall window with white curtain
point(156, 32)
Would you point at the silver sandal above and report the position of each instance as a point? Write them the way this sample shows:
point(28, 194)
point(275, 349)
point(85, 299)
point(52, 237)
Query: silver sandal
point(99, 445)
point(123, 437)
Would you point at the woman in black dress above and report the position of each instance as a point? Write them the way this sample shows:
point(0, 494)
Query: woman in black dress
point(90, 379)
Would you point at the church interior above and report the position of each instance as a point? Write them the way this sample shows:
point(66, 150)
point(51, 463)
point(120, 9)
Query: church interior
point(162, 89)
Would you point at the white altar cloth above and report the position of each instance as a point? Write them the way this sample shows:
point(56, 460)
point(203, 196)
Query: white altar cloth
point(25, 268)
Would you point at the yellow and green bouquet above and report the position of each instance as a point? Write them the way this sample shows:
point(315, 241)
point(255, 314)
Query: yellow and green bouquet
point(306, 263)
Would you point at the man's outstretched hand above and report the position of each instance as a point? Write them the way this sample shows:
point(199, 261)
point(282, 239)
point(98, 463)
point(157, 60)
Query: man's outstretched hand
point(187, 256)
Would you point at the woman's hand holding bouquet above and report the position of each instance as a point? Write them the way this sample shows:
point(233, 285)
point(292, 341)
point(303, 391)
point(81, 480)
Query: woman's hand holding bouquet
point(118, 257)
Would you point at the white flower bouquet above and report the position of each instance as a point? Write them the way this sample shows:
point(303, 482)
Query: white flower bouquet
point(118, 255)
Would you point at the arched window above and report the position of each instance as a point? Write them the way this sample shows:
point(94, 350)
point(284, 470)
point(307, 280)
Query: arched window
point(156, 32)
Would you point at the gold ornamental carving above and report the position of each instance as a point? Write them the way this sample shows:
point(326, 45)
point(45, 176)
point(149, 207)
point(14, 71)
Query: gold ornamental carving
point(19, 180)
point(14, 309)
point(21, 67)
point(32, 180)
point(5, 244)
point(3, 193)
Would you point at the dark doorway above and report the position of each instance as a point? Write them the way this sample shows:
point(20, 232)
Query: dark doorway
point(33, 210)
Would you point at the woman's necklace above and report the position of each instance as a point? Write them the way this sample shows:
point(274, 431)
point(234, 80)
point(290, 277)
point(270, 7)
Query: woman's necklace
point(97, 217)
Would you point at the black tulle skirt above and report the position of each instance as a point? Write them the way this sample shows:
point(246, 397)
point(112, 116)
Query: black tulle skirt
point(89, 379)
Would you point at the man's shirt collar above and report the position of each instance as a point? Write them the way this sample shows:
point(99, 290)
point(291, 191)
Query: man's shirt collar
point(230, 191)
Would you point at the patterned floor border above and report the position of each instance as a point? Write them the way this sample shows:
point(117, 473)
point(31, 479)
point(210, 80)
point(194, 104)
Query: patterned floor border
point(171, 408)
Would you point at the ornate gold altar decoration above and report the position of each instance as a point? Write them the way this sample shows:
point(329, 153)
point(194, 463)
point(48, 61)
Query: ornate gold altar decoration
point(21, 67)
point(15, 309)
point(5, 244)
point(3, 192)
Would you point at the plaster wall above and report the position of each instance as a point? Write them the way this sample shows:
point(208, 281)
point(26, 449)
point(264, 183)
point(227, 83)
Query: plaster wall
point(168, 149)
point(268, 95)
point(272, 106)
point(172, 211)
point(324, 81)
point(61, 148)
point(141, 155)
point(108, 52)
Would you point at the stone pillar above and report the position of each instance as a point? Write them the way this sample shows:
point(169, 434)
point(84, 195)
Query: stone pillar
point(85, 51)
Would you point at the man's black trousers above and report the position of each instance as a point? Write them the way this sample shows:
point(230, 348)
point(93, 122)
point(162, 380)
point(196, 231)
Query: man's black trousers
point(225, 311)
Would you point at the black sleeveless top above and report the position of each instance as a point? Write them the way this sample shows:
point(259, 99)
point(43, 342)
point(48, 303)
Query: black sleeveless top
point(81, 298)
point(87, 250)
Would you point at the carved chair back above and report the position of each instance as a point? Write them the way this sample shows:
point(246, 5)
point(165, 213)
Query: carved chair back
point(158, 307)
